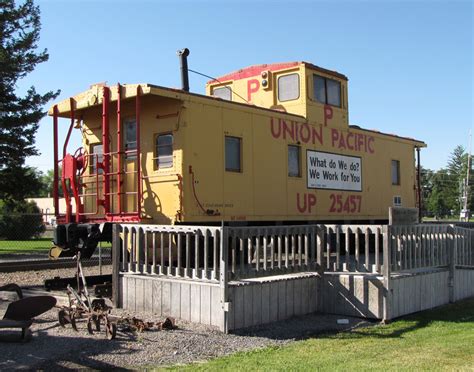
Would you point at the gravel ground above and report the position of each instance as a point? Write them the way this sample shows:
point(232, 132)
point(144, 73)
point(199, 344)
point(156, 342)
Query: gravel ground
point(55, 348)
point(37, 278)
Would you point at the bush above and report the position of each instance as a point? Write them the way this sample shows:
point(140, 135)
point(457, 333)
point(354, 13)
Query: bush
point(20, 220)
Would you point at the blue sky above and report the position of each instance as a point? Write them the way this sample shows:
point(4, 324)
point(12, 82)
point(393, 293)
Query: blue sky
point(410, 64)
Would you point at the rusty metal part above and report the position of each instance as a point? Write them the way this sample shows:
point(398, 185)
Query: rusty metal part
point(73, 322)
point(93, 324)
point(138, 325)
point(98, 304)
point(110, 330)
point(63, 318)
point(169, 323)
point(103, 290)
point(135, 324)
point(81, 306)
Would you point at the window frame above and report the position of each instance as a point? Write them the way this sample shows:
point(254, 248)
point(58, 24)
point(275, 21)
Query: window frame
point(298, 147)
point(129, 156)
point(155, 151)
point(226, 87)
point(240, 157)
point(397, 182)
point(341, 96)
point(299, 87)
point(94, 169)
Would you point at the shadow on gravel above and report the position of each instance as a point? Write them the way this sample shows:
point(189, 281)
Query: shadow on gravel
point(52, 352)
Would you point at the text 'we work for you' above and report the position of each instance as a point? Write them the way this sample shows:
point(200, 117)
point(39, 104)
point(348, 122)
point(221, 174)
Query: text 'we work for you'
point(333, 171)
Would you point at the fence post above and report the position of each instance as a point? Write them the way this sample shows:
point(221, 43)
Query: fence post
point(224, 279)
point(320, 248)
point(387, 272)
point(116, 264)
point(100, 258)
point(452, 248)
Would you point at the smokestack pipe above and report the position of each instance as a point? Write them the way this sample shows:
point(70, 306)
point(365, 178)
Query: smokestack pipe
point(183, 59)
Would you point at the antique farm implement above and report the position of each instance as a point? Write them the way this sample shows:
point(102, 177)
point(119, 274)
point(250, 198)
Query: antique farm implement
point(81, 306)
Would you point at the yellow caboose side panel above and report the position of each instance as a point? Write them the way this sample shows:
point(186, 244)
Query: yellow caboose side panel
point(263, 190)
point(275, 147)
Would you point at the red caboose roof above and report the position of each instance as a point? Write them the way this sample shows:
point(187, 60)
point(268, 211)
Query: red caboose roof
point(256, 70)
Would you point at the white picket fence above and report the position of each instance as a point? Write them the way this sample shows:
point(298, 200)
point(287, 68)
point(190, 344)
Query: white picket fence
point(199, 252)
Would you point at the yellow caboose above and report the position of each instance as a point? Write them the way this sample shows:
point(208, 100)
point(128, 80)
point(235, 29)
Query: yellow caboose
point(266, 144)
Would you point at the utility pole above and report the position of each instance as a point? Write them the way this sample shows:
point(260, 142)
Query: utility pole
point(465, 197)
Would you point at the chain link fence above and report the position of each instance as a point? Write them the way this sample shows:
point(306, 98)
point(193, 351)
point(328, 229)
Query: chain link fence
point(28, 237)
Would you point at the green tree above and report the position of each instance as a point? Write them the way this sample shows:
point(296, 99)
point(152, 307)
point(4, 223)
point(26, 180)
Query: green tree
point(17, 183)
point(47, 184)
point(457, 168)
point(20, 221)
point(442, 196)
point(457, 163)
point(426, 182)
point(19, 115)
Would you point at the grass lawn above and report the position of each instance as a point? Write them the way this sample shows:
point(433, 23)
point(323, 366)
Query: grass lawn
point(30, 246)
point(440, 339)
point(444, 219)
point(25, 246)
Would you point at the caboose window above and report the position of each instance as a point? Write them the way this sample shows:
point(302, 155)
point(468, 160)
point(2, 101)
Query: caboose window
point(288, 87)
point(294, 156)
point(333, 89)
point(96, 158)
point(130, 138)
point(395, 172)
point(223, 92)
point(233, 158)
point(319, 88)
point(327, 91)
point(164, 151)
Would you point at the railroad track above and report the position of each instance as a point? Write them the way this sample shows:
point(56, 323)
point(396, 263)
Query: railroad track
point(44, 264)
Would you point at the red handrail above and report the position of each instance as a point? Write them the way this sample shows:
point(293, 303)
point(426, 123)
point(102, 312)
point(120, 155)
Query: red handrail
point(71, 103)
point(105, 146)
point(56, 170)
point(119, 146)
point(109, 173)
point(139, 173)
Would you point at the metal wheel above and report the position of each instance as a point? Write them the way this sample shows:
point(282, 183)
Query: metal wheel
point(82, 159)
point(93, 324)
point(74, 325)
point(73, 317)
point(90, 322)
point(97, 324)
point(110, 330)
point(63, 318)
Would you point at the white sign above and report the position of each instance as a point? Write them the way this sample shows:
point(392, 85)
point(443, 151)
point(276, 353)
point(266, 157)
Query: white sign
point(333, 171)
